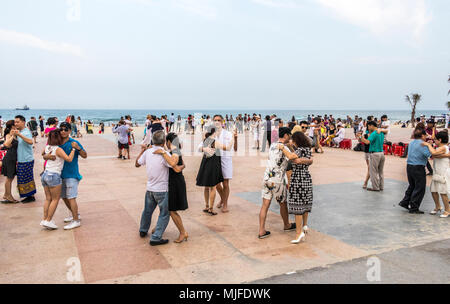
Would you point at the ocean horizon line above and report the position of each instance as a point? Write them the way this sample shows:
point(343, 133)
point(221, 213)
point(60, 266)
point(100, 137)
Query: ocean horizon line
point(229, 109)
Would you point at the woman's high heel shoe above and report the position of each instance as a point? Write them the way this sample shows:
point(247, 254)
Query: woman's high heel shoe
point(182, 240)
point(300, 238)
point(434, 212)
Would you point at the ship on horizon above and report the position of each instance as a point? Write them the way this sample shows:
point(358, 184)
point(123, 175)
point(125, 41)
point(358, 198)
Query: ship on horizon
point(25, 108)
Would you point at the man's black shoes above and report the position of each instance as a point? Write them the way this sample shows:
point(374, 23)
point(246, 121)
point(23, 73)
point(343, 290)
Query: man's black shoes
point(416, 211)
point(29, 199)
point(160, 242)
point(142, 234)
point(406, 206)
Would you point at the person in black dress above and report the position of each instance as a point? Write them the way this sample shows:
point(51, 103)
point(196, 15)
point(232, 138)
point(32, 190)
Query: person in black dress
point(177, 184)
point(9, 168)
point(210, 171)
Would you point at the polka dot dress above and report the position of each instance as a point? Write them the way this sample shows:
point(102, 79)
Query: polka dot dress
point(300, 191)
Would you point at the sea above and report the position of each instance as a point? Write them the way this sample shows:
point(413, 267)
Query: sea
point(139, 116)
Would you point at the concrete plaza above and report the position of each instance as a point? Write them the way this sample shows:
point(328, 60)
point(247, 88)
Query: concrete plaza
point(349, 225)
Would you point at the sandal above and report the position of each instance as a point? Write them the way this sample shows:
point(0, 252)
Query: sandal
point(10, 202)
point(292, 227)
point(211, 212)
point(206, 210)
point(265, 235)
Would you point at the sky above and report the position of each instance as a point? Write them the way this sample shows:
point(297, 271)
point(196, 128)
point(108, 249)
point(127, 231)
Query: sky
point(219, 54)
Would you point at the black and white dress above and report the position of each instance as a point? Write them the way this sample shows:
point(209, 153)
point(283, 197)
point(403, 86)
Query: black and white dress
point(300, 197)
point(210, 171)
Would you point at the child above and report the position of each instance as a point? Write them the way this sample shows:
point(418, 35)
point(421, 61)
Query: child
point(102, 128)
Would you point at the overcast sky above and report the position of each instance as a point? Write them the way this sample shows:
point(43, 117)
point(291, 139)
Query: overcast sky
point(218, 54)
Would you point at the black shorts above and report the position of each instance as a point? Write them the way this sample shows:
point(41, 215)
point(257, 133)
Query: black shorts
point(123, 146)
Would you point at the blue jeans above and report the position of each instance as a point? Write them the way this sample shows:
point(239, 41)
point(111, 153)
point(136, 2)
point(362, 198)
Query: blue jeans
point(50, 179)
point(69, 188)
point(151, 200)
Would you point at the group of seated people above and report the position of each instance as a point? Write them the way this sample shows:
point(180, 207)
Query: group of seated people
point(330, 135)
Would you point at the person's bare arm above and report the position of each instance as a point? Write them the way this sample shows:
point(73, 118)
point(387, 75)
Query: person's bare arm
point(143, 149)
point(171, 160)
point(290, 155)
point(82, 152)
point(178, 169)
point(442, 156)
point(303, 161)
point(363, 140)
point(48, 156)
point(25, 139)
point(228, 147)
point(8, 141)
point(289, 175)
point(61, 154)
point(434, 152)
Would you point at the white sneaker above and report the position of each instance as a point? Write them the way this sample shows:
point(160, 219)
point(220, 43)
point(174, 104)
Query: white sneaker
point(49, 225)
point(42, 223)
point(72, 225)
point(70, 218)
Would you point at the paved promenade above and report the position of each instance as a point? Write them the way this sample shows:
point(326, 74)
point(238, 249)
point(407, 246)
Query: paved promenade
point(348, 225)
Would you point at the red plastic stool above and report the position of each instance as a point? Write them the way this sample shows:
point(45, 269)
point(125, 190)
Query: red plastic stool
point(399, 150)
point(346, 144)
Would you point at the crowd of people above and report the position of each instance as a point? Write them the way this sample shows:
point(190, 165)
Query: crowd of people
point(290, 146)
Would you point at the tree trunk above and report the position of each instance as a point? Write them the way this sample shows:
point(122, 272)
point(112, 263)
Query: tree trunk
point(413, 117)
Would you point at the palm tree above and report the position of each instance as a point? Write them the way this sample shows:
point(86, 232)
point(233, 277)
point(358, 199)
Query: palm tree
point(448, 102)
point(413, 101)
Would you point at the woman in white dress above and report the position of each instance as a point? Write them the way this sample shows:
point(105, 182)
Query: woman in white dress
point(256, 127)
point(440, 184)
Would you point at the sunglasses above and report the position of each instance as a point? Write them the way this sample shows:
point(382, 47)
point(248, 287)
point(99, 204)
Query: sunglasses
point(64, 129)
point(218, 120)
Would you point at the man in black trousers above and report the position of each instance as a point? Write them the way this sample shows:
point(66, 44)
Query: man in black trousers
point(417, 159)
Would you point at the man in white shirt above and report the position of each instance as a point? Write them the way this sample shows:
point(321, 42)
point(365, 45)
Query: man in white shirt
point(386, 125)
point(157, 189)
point(361, 125)
point(226, 138)
point(122, 130)
point(172, 121)
point(340, 135)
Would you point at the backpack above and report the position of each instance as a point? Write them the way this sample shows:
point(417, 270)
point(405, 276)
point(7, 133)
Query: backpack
point(359, 147)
